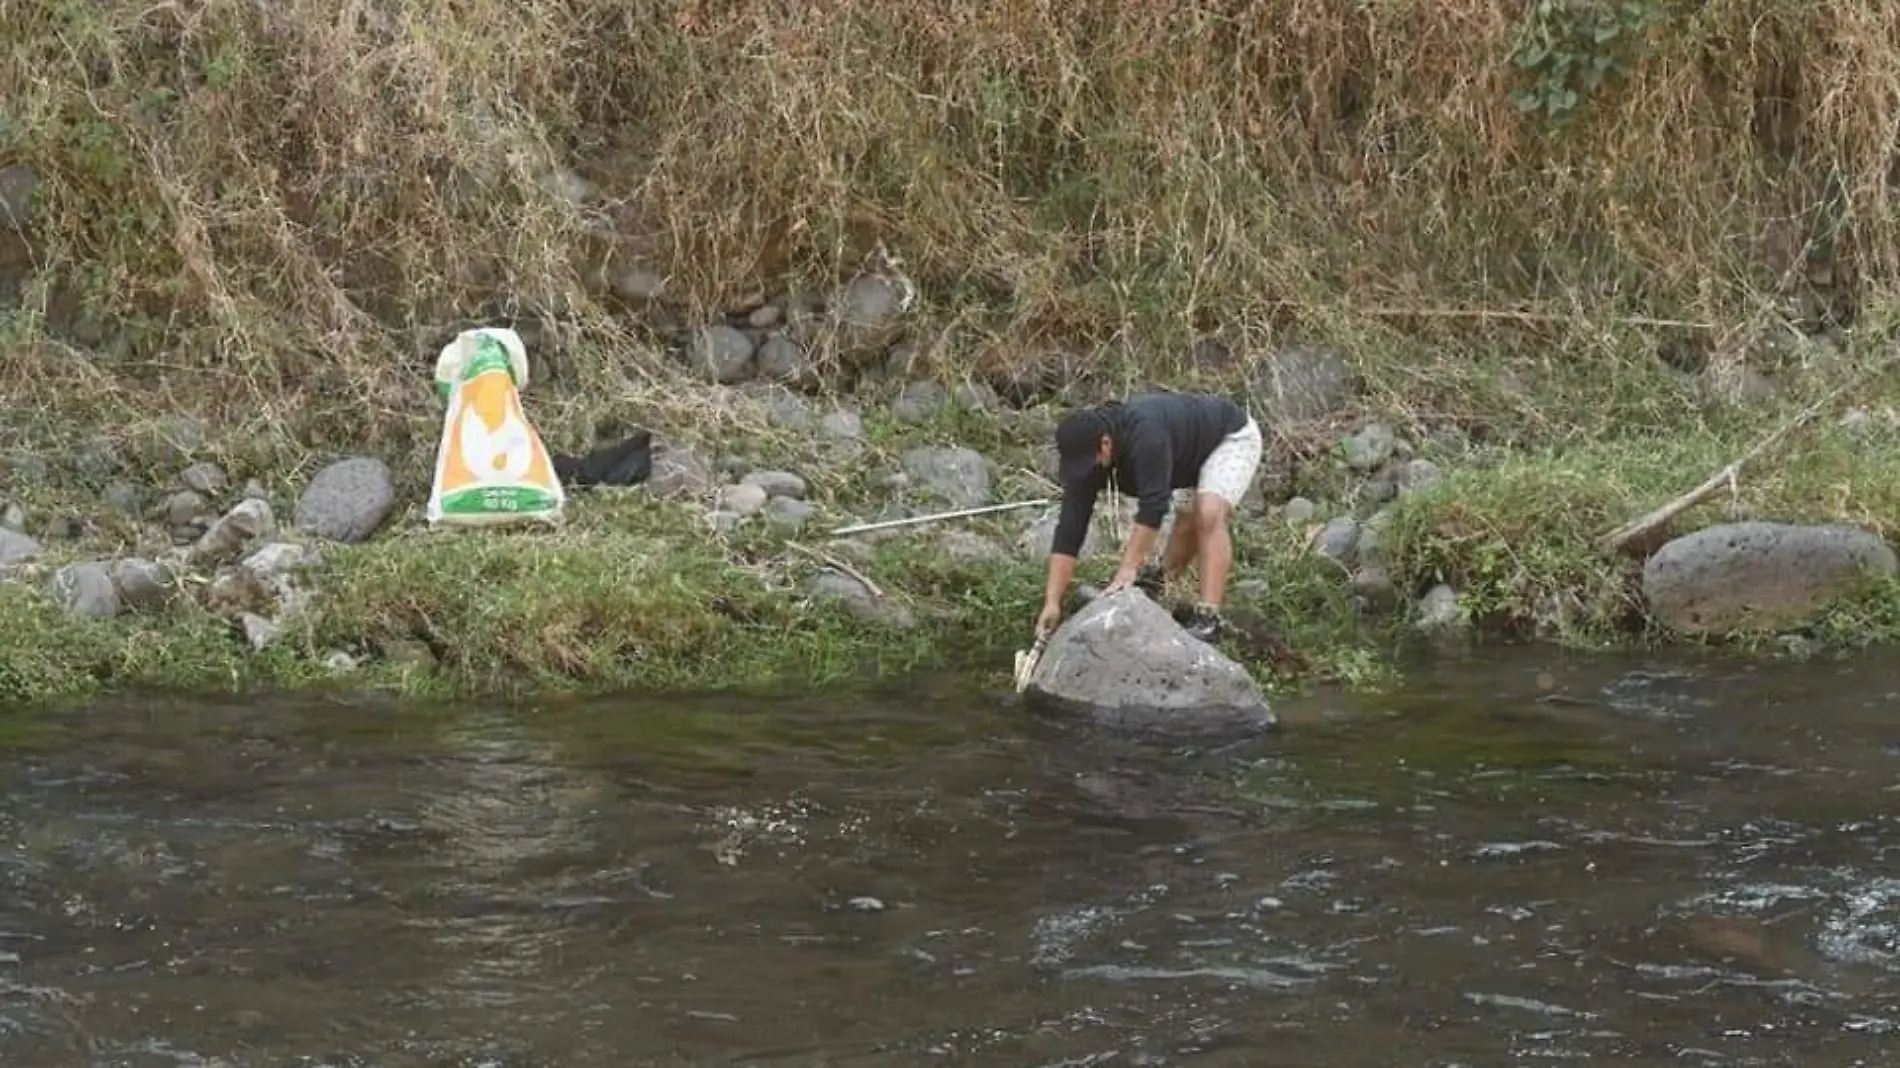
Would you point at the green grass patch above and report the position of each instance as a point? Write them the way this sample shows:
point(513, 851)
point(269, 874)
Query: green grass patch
point(639, 595)
point(1518, 539)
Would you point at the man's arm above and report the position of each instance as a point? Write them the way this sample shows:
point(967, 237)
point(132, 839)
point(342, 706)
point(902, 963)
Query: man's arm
point(1072, 528)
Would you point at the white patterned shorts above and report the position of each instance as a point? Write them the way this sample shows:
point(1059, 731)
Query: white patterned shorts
point(1229, 469)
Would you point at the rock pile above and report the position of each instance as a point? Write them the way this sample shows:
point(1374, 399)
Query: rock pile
point(235, 563)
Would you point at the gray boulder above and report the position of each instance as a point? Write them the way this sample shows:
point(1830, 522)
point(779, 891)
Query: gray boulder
point(919, 403)
point(85, 591)
point(141, 583)
point(1417, 476)
point(1338, 540)
point(782, 406)
point(1370, 448)
point(778, 483)
point(244, 525)
point(741, 500)
point(17, 548)
point(787, 515)
point(1038, 537)
point(781, 359)
point(723, 352)
point(1123, 662)
point(1758, 575)
point(347, 500)
point(858, 600)
point(1440, 618)
point(842, 425)
point(1299, 384)
point(958, 476)
point(206, 478)
point(679, 472)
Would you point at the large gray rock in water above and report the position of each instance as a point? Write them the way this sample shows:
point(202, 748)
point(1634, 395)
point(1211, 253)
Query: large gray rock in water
point(347, 500)
point(1758, 575)
point(1124, 662)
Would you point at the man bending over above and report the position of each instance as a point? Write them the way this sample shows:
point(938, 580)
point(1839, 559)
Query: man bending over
point(1148, 447)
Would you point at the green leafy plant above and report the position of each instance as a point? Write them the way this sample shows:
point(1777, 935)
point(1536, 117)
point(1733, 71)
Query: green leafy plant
point(1571, 48)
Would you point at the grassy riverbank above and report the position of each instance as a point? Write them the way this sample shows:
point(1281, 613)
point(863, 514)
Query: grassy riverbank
point(634, 595)
point(1577, 255)
point(642, 594)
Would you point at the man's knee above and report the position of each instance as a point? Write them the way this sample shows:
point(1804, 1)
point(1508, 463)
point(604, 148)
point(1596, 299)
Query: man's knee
point(1211, 511)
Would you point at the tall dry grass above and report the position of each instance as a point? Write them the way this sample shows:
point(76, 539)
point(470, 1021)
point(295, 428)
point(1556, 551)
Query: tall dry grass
point(277, 210)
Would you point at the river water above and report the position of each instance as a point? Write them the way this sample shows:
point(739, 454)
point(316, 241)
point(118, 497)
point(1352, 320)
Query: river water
point(1524, 859)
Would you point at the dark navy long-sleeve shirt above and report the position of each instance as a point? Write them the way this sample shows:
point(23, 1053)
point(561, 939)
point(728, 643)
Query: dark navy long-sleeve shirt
point(1161, 440)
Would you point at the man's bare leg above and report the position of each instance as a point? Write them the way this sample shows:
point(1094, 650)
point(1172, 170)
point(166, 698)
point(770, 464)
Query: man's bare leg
point(1184, 541)
point(1211, 513)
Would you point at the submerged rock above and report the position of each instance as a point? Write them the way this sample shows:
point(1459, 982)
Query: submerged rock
point(1759, 575)
point(1439, 616)
point(1124, 662)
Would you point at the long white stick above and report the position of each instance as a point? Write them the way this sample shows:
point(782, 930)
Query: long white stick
point(863, 528)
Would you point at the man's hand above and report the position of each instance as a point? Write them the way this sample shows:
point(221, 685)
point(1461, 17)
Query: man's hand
point(1123, 579)
point(1046, 622)
point(1141, 544)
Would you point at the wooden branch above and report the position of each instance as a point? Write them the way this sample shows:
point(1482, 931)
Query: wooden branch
point(1637, 534)
point(832, 561)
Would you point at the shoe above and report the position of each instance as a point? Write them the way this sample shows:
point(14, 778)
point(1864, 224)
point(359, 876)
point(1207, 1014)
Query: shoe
point(1151, 581)
point(1082, 595)
point(1203, 624)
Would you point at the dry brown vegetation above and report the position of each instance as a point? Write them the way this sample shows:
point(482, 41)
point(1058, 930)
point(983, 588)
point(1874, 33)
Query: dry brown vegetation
point(274, 212)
